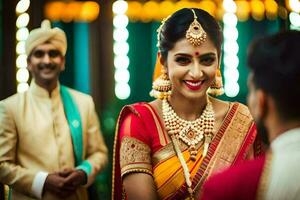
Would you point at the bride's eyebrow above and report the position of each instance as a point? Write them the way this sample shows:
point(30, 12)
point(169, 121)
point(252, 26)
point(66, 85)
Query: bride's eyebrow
point(183, 54)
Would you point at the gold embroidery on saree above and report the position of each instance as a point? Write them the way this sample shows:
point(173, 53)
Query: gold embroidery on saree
point(134, 156)
point(264, 179)
point(232, 140)
point(235, 126)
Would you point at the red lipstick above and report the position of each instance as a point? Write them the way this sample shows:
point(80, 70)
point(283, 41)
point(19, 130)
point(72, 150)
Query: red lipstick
point(193, 85)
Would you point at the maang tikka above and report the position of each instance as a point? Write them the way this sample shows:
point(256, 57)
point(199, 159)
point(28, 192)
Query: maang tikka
point(195, 34)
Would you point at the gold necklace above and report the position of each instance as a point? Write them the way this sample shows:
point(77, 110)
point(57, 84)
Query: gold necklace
point(190, 133)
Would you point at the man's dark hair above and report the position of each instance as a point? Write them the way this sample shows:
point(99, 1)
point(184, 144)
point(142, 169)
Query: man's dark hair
point(275, 63)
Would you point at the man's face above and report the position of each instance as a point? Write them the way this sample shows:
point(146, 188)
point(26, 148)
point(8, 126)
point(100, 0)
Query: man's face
point(45, 64)
point(256, 110)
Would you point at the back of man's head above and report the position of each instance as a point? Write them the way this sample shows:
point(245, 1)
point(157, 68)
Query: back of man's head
point(275, 64)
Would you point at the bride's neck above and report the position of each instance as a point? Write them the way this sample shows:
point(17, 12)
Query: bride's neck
point(188, 109)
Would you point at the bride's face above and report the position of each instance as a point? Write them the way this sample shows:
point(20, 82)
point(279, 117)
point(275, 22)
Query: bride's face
point(192, 69)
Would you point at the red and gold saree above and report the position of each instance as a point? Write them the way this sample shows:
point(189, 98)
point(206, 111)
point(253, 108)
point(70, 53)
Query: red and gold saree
point(142, 145)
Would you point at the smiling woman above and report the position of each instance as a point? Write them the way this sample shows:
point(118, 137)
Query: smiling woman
point(167, 148)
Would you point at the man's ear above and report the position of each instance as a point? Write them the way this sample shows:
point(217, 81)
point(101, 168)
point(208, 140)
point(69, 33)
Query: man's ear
point(63, 63)
point(29, 68)
point(262, 103)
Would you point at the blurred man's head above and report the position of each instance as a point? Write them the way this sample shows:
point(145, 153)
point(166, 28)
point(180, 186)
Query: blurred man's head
point(43, 34)
point(274, 80)
point(46, 48)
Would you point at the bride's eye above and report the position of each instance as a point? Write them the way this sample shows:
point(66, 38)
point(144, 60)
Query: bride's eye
point(182, 60)
point(207, 60)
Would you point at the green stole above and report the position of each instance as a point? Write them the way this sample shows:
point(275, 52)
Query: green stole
point(75, 124)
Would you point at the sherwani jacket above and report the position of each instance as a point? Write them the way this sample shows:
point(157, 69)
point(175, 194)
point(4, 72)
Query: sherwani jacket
point(35, 137)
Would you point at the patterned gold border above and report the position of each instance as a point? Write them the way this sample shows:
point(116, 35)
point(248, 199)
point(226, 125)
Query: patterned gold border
point(131, 108)
point(264, 179)
point(134, 155)
point(231, 144)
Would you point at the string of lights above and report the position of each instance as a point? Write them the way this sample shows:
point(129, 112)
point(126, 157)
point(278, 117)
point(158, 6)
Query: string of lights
point(231, 48)
point(121, 49)
point(22, 33)
point(294, 15)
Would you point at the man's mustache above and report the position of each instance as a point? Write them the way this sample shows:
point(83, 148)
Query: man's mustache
point(47, 66)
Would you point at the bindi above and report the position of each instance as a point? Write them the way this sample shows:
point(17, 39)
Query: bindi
point(197, 53)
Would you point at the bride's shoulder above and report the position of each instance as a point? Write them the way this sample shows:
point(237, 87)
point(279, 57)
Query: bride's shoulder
point(220, 104)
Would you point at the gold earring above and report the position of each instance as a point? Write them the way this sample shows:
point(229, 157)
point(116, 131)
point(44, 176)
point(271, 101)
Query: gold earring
point(216, 89)
point(161, 87)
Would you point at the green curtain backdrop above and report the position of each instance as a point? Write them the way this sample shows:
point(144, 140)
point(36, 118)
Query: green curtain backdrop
point(76, 74)
point(68, 76)
point(142, 55)
point(81, 57)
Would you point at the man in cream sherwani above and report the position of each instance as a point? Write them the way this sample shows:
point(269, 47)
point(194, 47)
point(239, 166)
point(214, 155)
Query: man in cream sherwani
point(51, 146)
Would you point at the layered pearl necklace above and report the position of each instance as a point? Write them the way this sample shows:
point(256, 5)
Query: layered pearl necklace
point(190, 133)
